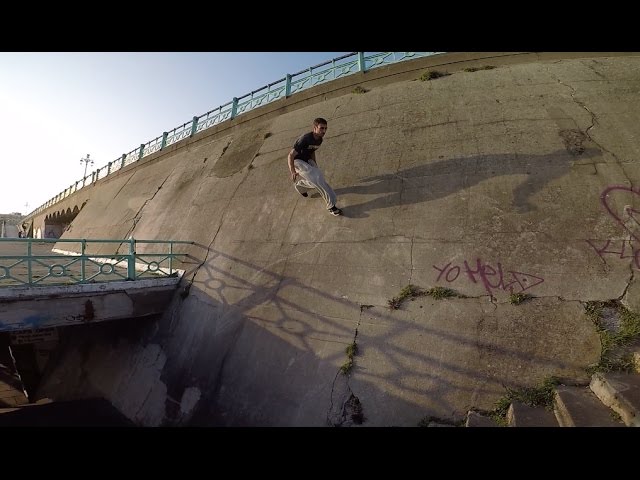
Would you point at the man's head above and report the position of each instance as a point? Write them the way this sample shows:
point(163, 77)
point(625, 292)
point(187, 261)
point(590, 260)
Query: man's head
point(319, 127)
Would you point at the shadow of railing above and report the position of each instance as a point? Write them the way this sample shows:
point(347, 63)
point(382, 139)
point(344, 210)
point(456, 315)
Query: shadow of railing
point(239, 291)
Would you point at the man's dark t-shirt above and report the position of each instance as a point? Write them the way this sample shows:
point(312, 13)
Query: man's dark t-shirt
point(305, 145)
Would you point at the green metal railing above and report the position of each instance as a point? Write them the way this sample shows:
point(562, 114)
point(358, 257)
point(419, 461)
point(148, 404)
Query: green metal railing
point(30, 261)
point(285, 87)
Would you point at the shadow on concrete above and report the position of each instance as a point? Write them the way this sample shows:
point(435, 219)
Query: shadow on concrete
point(449, 176)
point(238, 355)
point(225, 361)
point(11, 386)
point(95, 412)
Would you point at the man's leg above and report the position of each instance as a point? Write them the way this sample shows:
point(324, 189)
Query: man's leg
point(312, 177)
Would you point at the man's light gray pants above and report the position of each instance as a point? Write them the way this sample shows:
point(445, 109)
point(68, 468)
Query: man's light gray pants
point(310, 176)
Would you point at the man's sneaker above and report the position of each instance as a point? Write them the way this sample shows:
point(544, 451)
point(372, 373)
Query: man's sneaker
point(304, 194)
point(335, 211)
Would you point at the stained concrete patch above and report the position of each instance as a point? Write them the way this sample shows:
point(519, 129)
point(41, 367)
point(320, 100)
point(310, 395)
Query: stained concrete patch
point(240, 152)
point(573, 141)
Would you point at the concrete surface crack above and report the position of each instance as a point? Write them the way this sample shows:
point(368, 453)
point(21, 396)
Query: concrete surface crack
point(225, 148)
point(595, 71)
point(493, 301)
point(226, 210)
point(347, 409)
point(626, 288)
point(594, 120)
point(411, 256)
point(138, 214)
point(121, 188)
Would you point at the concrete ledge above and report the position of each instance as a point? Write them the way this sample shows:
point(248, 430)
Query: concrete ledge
point(620, 392)
point(521, 415)
point(579, 407)
point(40, 307)
point(53, 291)
point(475, 419)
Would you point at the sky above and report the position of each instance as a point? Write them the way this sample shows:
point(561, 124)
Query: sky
point(55, 108)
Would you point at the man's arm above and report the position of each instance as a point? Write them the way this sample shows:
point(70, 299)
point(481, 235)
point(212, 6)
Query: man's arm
point(292, 168)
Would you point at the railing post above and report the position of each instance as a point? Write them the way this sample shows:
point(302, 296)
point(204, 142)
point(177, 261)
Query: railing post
point(82, 260)
point(109, 168)
point(164, 140)
point(124, 157)
point(361, 65)
point(287, 86)
point(29, 272)
point(170, 258)
point(141, 151)
point(234, 107)
point(194, 126)
point(131, 264)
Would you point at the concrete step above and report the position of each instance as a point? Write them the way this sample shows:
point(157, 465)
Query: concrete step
point(475, 419)
point(635, 355)
point(620, 392)
point(579, 407)
point(521, 415)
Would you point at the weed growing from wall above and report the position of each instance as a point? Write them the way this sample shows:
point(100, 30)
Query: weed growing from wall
point(617, 327)
point(351, 351)
point(518, 298)
point(431, 75)
point(475, 69)
point(541, 396)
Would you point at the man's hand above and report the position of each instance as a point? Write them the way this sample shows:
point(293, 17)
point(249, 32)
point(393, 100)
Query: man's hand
point(294, 174)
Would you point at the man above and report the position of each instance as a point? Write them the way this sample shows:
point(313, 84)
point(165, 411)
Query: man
point(304, 169)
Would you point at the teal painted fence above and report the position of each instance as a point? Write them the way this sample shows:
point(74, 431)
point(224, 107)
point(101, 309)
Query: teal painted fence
point(289, 85)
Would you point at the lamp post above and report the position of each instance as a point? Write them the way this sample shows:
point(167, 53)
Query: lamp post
point(86, 162)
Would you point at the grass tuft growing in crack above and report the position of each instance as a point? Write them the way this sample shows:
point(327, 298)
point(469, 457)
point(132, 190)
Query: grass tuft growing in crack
point(442, 292)
point(359, 89)
point(475, 69)
point(351, 351)
point(412, 292)
point(431, 75)
point(541, 396)
point(518, 298)
point(614, 334)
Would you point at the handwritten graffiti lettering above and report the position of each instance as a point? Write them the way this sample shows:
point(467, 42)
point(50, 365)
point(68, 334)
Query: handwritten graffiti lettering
point(491, 278)
point(622, 248)
point(628, 217)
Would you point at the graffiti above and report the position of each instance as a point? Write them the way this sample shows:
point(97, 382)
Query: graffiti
point(491, 278)
point(628, 217)
point(622, 248)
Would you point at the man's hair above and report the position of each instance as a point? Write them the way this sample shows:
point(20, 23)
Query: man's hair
point(319, 121)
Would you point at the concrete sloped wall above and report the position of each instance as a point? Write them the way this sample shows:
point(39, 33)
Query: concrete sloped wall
point(508, 180)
